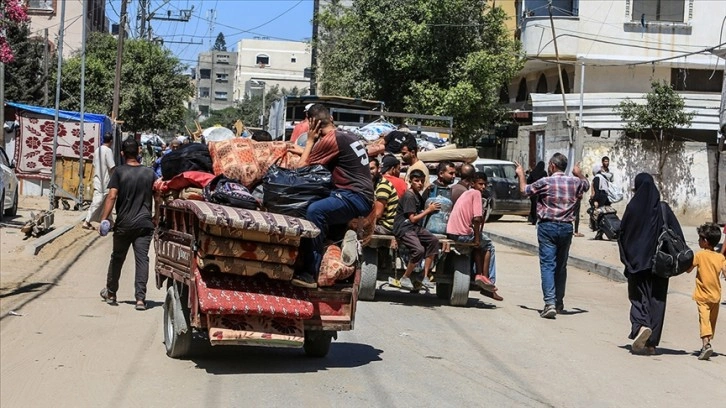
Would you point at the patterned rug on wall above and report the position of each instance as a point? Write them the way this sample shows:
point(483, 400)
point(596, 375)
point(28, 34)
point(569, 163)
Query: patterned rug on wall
point(34, 146)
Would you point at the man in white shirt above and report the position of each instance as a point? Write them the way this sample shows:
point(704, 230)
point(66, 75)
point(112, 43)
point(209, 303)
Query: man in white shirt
point(103, 166)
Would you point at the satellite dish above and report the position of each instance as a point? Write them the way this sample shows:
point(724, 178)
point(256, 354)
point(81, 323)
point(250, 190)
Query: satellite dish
point(217, 134)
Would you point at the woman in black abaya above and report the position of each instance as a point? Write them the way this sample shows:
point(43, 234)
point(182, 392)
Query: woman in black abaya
point(536, 174)
point(640, 228)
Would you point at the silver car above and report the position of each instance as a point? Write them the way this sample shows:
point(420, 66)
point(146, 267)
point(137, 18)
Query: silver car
point(8, 186)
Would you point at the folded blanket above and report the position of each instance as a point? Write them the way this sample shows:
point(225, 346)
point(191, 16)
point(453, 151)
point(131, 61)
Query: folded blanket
point(247, 160)
point(254, 251)
point(242, 267)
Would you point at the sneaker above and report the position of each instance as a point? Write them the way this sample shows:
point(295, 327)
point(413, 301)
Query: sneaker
point(349, 248)
point(140, 305)
point(108, 296)
point(304, 280)
point(405, 283)
point(494, 295)
point(706, 352)
point(639, 341)
point(560, 309)
point(426, 282)
point(549, 312)
point(484, 283)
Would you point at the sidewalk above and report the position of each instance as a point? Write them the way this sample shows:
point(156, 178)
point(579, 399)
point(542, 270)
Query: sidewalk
point(599, 257)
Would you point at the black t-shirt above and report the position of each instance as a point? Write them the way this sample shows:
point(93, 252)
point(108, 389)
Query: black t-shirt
point(410, 203)
point(135, 193)
point(395, 140)
point(346, 158)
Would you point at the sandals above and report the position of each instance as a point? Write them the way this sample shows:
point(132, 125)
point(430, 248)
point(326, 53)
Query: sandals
point(108, 296)
point(140, 305)
point(87, 225)
point(579, 234)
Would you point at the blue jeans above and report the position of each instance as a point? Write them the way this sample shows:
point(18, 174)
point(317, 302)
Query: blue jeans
point(338, 209)
point(485, 244)
point(554, 248)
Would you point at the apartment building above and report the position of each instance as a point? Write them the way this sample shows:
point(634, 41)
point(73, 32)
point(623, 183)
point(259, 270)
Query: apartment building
point(264, 63)
point(214, 76)
point(46, 14)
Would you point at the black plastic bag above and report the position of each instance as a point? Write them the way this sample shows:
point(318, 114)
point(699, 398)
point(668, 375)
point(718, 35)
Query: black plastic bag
point(290, 191)
point(190, 157)
point(225, 191)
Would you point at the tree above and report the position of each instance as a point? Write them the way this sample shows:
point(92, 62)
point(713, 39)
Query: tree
point(248, 109)
point(662, 112)
point(11, 12)
point(220, 44)
point(154, 88)
point(24, 77)
point(440, 57)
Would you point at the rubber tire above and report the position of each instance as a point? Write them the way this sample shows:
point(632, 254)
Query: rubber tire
point(2, 205)
point(177, 346)
point(461, 280)
point(368, 274)
point(317, 343)
point(494, 217)
point(443, 291)
point(13, 211)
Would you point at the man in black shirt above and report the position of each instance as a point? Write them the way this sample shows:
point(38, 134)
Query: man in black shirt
point(131, 190)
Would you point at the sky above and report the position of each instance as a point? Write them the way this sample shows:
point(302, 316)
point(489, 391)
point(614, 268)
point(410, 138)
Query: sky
point(236, 19)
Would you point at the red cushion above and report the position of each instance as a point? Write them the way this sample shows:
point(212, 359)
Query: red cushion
point(231, 294)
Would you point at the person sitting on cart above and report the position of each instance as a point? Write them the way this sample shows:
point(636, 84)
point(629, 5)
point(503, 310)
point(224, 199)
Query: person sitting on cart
point(446, 173)
point(386, 200)
point(465, 225)
point(346, 158)
point(599, 200)
point(409, 231)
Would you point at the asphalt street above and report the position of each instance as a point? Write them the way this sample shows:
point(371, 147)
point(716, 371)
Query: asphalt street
point(64, 347)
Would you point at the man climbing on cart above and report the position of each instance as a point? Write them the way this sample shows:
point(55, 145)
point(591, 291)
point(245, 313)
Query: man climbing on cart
point(346, 158)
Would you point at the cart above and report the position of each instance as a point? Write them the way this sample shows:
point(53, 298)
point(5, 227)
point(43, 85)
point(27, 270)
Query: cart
point(67, 182)
point(242, 302)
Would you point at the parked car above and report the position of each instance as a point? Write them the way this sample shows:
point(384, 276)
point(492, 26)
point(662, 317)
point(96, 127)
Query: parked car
point(8, 186)
point(504, 197)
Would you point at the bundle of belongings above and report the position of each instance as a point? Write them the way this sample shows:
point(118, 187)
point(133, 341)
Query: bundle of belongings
point(250, 200)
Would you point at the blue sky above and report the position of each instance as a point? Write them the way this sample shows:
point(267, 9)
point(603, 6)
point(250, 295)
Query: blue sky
point(237, 19)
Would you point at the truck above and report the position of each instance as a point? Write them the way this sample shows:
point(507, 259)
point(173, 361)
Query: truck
point(245, 298)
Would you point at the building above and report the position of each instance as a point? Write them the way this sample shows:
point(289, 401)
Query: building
point(46, 14)
point(215, 80)
point(609, 51)
point(263, 63)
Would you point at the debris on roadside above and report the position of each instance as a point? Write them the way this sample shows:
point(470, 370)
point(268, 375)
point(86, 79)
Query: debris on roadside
point(38, 224)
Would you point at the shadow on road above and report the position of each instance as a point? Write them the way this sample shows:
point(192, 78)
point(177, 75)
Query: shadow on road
point(566, 312)
point(224, 360)
point(662, 351)
point(31, 287)
point(428, 300)
point(150, 304)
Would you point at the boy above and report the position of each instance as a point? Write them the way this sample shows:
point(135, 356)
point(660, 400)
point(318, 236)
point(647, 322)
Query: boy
point(708, 286)
point(408, 230)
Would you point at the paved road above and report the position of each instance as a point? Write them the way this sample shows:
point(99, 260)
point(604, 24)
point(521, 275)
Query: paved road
point(70, 349)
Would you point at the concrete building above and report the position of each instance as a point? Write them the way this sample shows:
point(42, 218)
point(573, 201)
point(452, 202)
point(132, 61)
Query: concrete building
point(610, 51)
point(46, 14)
point(215, 79)
point(272, 63)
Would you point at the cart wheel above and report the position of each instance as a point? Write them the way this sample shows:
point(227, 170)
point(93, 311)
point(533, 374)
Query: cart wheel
point(317, 343)
point(65, 204)
point(178, 345)
point(369, 274)
point(443, 291)
point(461, 280)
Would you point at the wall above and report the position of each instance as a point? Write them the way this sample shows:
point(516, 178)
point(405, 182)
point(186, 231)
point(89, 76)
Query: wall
point(73, 29)
point(281, 71)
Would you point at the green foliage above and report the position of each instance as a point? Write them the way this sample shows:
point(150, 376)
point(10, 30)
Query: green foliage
point(154, 88)
point(24, 78)
point(440, 57)
point(248, 110)
point(663, 111)
point(220, 44)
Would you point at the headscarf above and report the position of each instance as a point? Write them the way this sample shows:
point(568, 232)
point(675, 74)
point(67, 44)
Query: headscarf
point(641, 226)
point(537, 173)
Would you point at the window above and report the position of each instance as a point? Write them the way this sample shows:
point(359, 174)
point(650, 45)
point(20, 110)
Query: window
point(566, 80)
point(293, 59)
point(542, 84)
point(204, 92)
point(222, 77)
point(204, 110)
point(659, 10)
point(560, 8)
point(262, 59)
point(220, 96)
point(522, 91)
point(205, 73)
point(696, 80)
point(42, 5)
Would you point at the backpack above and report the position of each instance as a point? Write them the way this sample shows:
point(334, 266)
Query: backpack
point(615, 193)
point(672, 255)
point(222, 190)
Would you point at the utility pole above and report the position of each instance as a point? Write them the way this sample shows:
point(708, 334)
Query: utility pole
point(119, 60)
point(45, 67)
point(81, 161)
point(314, 50)
point(61, 31)
point(142, 16)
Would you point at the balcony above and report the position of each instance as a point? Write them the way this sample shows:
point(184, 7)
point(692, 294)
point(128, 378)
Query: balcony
point(537, 41)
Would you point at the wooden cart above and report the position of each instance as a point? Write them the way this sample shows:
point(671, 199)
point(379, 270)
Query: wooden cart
point(257, 310)
point(68, 181)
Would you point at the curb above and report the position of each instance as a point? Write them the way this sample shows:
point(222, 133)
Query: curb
point(35, 247)
point(607, 271)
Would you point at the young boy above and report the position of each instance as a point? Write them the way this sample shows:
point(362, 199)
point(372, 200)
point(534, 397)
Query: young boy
point(408, 230)
point(708, 286)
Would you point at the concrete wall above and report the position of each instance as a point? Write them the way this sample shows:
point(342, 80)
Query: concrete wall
point(49, 18)
point(281, 70)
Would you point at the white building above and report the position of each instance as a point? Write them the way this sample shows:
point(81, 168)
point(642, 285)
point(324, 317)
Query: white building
point(45, 14)
point(262, 62)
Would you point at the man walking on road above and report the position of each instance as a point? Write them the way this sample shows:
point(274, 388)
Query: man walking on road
point(130, 189)
point(558, 195)
point(103, 165)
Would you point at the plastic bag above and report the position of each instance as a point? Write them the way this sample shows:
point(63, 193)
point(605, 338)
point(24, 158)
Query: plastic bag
point(436, 223)
point(290, 191)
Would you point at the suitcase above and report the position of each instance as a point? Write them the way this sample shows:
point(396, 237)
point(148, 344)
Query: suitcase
point(610, 225)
